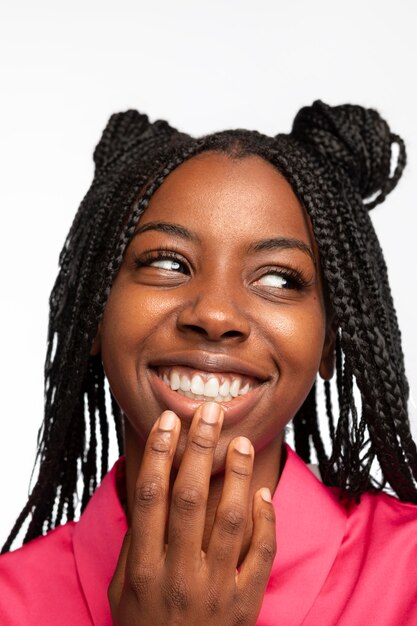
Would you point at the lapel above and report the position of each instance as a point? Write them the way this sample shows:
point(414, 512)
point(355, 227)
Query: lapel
point(311, 523)
point(97, 542)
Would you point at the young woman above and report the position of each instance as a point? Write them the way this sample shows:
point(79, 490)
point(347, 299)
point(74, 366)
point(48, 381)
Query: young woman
point(215, 282)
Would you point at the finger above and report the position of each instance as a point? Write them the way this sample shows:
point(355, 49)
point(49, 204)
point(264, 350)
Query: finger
point(256, 568)
point(150, 505)
point(117, 582)
point(232, 511)
point(190, 491)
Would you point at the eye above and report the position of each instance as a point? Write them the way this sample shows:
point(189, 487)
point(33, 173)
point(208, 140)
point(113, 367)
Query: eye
point(273, 280)
point(165, 260)
point(281, 279)
point(167, 264)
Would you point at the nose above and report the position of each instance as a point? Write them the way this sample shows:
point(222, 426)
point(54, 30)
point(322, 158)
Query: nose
point(214, 314)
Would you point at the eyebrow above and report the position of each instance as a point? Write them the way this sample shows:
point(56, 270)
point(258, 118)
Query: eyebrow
point(273, 243)
point(279, 243)
point(170, 228)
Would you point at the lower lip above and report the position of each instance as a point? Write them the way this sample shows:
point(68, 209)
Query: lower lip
point(234, 410)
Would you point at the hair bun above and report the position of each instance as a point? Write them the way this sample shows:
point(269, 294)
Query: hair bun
point(118, 131)
point(123, 131)
point(356, 139)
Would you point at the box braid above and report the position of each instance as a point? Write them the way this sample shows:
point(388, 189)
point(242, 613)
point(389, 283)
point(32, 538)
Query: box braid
point(338, 161)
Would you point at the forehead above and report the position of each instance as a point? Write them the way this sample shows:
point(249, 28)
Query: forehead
point(243, 198)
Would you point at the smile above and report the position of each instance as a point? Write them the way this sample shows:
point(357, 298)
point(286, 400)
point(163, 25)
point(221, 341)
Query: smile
point(182, 381)
point(206, 386)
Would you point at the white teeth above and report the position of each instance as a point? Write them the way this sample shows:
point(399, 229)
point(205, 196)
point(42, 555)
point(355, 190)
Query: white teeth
point(224, 388)
point(197, 385)
point(211, 388)
point(223, 398)
point(234, 387)
point(175, 381)
point(185, 383)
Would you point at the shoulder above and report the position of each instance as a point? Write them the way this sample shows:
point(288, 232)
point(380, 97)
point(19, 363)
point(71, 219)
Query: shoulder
point(63, 577)
point(35, 557)
point(380, 528)
point(39, 581)
point(383, 510)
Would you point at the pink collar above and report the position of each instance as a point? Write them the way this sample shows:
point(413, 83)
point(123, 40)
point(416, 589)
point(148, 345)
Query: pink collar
point(310, 527)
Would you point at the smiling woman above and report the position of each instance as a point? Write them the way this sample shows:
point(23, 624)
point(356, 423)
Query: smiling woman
point(214, 283)
point(211, 293)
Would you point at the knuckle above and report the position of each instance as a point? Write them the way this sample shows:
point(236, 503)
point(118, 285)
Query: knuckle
point(241, 616)
point(213, 603)
point(260, 578)
point(202, 444)
point(188, 499)
point(220, 594)
point(242, 472)
point(268, 515)
point(161, 446)
point(148, 493)
point(232, 521)
point(140, 581)
point(266, 551)
point(176, 594)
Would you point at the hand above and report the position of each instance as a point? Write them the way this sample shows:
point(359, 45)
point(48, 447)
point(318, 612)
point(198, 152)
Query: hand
point(163, 584)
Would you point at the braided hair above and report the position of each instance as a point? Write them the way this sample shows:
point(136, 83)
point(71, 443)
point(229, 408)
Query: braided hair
point(338, 162)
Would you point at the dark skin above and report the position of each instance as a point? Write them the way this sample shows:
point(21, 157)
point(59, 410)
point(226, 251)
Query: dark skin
point(221, 281)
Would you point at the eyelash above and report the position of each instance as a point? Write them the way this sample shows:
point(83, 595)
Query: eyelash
point(294, 276)
point(145, 259)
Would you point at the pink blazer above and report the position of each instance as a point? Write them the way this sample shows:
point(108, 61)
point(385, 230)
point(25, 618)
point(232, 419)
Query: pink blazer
point(336, 563)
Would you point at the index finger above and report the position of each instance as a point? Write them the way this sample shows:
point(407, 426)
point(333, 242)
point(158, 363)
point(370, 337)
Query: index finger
point(150, 504)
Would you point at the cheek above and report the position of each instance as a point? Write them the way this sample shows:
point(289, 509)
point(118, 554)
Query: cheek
point(131, 317)
point(120, 334)
point(118, 329)
point(133, 323)
point(299, 337)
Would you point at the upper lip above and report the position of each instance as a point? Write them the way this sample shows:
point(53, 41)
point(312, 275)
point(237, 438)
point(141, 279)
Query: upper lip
point(210, 362)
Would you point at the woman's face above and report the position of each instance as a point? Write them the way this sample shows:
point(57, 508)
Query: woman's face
point(218, 297)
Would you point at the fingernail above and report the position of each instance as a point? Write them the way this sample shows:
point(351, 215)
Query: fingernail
point(167, 420)
point(266, 494)
point(210, 412)
point(243, 445)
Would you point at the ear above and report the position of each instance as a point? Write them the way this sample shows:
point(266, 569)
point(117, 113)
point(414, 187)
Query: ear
point(328, 357)
point(96, 345)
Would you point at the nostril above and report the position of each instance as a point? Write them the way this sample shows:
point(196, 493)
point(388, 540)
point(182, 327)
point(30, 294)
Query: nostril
point(232, 333)
point(197, 329)
point(215, 323)
point(200, 330)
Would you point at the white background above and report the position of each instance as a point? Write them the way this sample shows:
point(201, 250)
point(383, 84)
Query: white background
point(204, 66)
